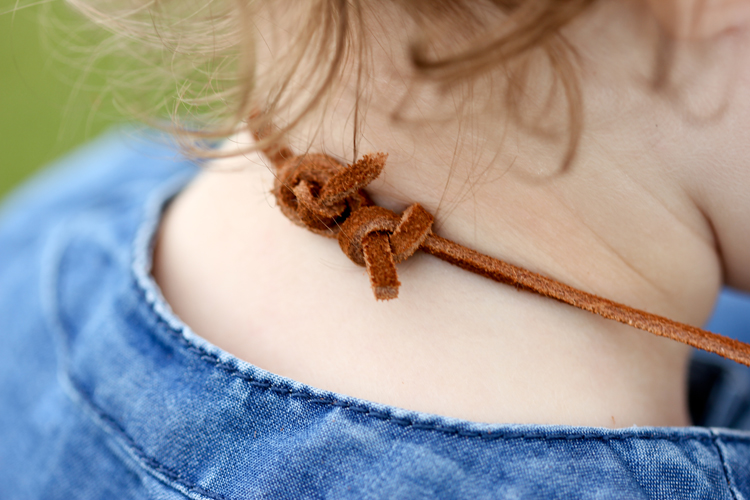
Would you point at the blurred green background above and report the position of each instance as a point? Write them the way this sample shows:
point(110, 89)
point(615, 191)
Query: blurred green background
point(50, 99)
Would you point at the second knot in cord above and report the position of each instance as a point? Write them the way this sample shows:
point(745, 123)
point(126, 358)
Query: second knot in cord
point(378, 238)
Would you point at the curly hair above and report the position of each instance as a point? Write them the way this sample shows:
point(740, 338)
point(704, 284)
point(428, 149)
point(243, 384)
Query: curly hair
point(197, 62)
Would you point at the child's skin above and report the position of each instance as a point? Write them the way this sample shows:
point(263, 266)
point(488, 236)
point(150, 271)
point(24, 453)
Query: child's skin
point(654, 213)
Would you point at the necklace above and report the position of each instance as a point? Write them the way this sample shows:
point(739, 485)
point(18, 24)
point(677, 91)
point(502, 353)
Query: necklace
point(317, 192)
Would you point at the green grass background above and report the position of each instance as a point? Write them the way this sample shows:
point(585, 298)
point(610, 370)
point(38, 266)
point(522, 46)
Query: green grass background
point(44, 112)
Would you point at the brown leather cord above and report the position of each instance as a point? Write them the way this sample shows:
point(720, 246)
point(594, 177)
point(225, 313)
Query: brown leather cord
point(317, 192)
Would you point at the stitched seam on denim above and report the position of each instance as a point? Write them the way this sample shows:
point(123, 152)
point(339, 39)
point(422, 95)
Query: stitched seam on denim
point(48, 276)
point(724, 465)
point(312, 399)
point(148, 461)
point(729, 437)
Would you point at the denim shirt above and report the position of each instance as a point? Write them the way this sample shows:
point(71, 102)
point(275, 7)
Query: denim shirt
point(106, 394)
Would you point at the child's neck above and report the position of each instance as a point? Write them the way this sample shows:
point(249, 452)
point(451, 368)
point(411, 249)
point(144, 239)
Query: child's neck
point(289, 301)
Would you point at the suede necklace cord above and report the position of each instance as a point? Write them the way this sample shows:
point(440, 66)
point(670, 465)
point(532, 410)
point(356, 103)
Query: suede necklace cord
point(317, 192)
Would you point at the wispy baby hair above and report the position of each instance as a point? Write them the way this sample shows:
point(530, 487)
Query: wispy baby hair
point(197, 61)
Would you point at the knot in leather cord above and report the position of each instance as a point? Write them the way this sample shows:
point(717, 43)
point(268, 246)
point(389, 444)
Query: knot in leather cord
point(317, 192)
point(378, 238)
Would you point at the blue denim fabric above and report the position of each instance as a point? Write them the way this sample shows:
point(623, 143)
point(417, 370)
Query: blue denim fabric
point(105, 394)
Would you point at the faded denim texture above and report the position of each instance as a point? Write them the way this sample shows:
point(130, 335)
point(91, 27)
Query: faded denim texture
point(105, 394)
